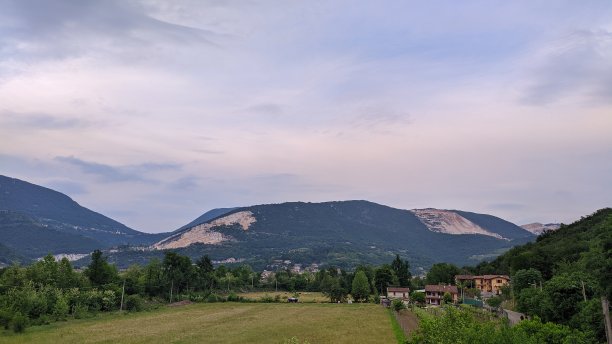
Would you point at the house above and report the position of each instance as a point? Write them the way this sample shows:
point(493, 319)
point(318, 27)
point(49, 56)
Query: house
point(486, 283)
point(434, 294)
point(398, 293)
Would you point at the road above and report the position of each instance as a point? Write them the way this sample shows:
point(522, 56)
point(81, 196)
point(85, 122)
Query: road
point(514, 317)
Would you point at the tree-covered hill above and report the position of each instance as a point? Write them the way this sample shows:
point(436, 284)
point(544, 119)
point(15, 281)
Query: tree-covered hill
point(570, 244)
point(344, 234)
point(68, 227)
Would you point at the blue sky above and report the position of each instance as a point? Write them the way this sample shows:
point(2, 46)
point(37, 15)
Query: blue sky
point(153, 112)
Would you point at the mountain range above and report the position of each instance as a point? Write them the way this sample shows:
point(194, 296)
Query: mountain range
point(35, 221)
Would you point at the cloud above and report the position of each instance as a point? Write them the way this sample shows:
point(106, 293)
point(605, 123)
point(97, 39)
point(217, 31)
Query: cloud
point(42, 121)
point(34, 30)
point(108, 173)
point(579, 64)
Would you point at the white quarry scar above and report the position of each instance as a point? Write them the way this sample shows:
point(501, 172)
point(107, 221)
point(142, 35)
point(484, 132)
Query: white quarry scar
point(449, 222)
point(204, 234)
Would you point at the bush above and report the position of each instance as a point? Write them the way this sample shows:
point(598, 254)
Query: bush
point(133, 303)
point(213, 298)
point(233, 297)
point(80, 311)
point(19, 323)
point(5, 318)
point(398, 305)
point(60, 309)
point(267, 299)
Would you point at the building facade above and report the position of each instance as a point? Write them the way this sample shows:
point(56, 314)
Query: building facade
point(434, 294)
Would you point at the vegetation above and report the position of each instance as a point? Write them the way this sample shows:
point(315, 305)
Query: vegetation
point(465, 326)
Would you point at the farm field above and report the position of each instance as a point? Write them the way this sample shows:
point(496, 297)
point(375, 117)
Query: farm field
point(224, 323)
point(303, 296)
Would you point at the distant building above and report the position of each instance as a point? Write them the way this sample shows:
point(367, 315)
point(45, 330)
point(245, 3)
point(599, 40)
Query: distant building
point(398, 293)
point(434, 294)
point(485, 283)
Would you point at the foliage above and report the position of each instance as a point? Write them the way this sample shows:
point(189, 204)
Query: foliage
point(462, 326)
point(494, 302)
point(447, 298)
point(417, 297)
point(401, 268)
point(134, 303)
point(398, 305)
point(361, 288)
point(442, 273)
point(19, 322)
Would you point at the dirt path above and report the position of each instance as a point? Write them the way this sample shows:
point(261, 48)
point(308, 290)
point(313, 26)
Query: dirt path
point(408, 321)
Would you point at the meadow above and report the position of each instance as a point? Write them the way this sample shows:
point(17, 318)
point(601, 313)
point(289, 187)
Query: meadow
point(223, 323)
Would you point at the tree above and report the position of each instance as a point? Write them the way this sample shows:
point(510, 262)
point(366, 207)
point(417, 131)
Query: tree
point(494, 302)
point(99, 271)
point(402, 271)
point(447, 298)
point(417, 297)
point(360, 288)
point(383, 278)
point(398, 305)
point(442, 273)
point(526, 278)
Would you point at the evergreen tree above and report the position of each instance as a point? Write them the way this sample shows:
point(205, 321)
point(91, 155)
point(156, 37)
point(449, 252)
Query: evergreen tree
point(361, 287)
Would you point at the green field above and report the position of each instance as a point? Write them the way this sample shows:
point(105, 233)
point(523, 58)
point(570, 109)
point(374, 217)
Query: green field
point(303, 296)
point(223, 323)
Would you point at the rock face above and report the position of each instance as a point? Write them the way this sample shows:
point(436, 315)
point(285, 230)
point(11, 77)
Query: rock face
point(449, 222)
point(539, 228)
point(205, 233)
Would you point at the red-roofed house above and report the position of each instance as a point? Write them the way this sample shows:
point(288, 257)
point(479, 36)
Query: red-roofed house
point(434, 294)
point(398, 293)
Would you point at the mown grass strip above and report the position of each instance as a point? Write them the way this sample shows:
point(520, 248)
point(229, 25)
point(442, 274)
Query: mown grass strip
point(398, 332)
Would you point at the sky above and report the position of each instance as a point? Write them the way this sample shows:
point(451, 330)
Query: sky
point(154, 112)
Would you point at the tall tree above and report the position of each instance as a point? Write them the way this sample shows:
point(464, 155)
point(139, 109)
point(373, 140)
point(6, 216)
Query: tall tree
point(361, 287)
point(99, 271)
point(402, 271)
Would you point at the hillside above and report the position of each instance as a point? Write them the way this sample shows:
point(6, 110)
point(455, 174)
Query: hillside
point(38, 220)
point(568, 244)
point(340, 233)
point(539, 228)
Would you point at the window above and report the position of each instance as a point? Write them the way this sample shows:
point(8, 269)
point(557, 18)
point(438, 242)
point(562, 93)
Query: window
point(499, 281)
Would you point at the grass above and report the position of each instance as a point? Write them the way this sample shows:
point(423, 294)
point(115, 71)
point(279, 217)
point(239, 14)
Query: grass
point(303, 296)
point(223, 323)
point(398, 332)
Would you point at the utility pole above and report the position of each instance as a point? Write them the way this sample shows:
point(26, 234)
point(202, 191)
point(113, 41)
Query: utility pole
point(122, 294)
point(606, 311)
point(171, 287)
point(583, 291)
point(275, 280)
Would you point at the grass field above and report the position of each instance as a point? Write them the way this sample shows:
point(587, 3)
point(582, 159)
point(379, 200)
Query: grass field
point(224, 323)
point(303, 296)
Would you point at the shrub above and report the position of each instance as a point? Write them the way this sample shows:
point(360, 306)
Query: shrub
point(60, 309)
point(80, 311)
point(233, 297)
point(133, 303)
point(213, 298)
point(267, 299)
point(398, 305)
point(19, 323)
point(5, 318)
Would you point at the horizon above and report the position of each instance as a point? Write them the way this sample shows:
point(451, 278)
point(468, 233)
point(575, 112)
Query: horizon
point(153, 112)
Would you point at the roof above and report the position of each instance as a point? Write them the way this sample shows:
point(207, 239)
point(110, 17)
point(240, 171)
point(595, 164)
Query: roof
point(397, 289)
point(488, 277)
point(463, 277)
point(442, 288)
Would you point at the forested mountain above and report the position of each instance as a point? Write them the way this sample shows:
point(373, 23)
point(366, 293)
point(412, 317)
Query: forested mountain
point(36, 220)
point(343, 233)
